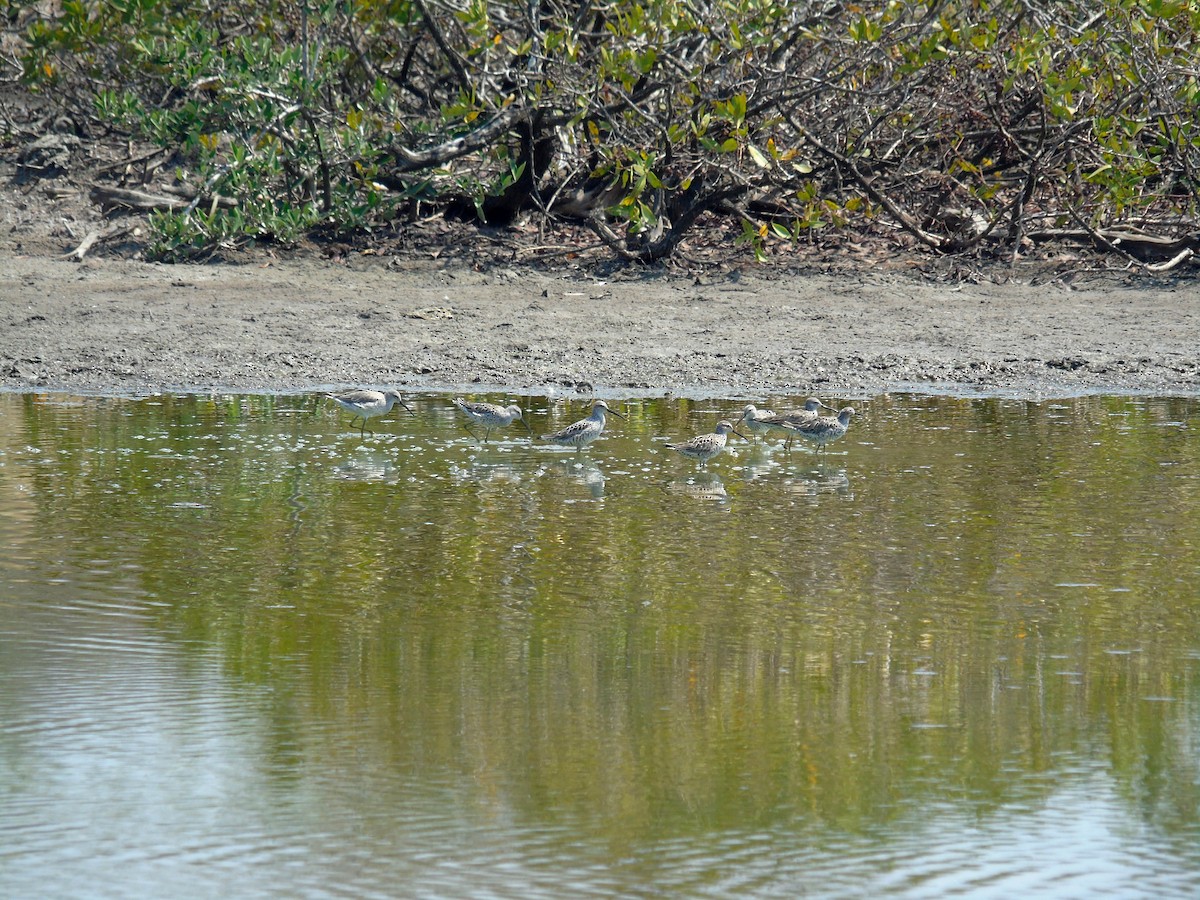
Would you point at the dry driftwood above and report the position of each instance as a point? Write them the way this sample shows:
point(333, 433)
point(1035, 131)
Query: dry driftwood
point(1159, 254)
point(106, 196)
point(98, 236)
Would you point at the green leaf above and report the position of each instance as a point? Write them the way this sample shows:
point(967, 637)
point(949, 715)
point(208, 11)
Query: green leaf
point(739, 107)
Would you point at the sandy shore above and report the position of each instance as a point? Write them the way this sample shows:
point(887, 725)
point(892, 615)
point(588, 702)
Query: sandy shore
point(119, 327)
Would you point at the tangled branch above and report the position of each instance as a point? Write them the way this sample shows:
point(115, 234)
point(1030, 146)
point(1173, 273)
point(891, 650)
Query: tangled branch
point(941, 121)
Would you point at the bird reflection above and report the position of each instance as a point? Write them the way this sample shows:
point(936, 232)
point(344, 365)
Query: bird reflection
point(582, 471)
point(819, 481)
point(702, 486)
point(760, 461)
point(367, 467)
point(489, 469)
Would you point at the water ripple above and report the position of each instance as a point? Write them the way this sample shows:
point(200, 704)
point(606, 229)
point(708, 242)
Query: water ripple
point(245, 652)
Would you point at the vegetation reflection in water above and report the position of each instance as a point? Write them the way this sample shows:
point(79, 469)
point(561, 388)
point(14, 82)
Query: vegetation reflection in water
point(968, 607)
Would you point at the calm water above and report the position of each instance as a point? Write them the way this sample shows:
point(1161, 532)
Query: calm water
point(245, 653)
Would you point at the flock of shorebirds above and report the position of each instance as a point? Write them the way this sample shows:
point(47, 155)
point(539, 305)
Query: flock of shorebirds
point(806, 424)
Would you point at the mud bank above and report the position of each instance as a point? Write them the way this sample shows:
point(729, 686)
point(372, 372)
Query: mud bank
point(122, 327)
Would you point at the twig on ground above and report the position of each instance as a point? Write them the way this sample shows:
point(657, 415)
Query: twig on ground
point(103, 195)
point(95, 237)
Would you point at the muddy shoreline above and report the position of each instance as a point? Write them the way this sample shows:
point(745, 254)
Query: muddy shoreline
point(114, 326)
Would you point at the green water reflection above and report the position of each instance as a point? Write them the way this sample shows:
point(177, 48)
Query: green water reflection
point(965, 609)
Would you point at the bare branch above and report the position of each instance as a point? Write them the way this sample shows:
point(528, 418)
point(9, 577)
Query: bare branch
point(416, 160)
point(907, 221)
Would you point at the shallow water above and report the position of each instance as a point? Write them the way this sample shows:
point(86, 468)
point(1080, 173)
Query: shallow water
point(245, 652)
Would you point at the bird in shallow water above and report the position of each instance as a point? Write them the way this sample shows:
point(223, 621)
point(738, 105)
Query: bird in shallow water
point(755, 419)
point(822, 430)
point(704, 447)
point(788, 422)
point(580, 434)
point(490, 415)
point(368, 404)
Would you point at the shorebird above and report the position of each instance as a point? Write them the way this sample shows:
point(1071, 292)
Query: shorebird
point(788, 422)
point(704, 447)
point(490, 415)
point(754, 419)
point(580, 434)
point(368, 404)
point(822, 430)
